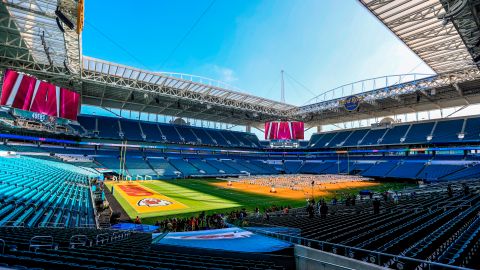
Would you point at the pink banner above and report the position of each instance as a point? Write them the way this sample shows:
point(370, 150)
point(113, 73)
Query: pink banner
point(28, 93)
point(284, 130)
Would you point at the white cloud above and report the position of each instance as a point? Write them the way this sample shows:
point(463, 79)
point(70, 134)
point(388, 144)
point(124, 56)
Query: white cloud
point(224, 74)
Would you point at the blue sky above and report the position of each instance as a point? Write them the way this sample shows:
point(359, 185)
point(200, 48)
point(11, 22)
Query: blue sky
point(321, 44)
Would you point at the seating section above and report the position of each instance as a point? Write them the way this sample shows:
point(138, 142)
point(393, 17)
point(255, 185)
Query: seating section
point(407, 170)
point(163, 168)
point(204, 137)
point(159, 164)
point(418, 133)
point(292, 166)
point(184, 167)
point(138, 166)
point(356, 137)
point(223, 167)
point(434, 172)
point(315, 167)
point(108, 128)
point(151, 132)
point(373, 137)
point(340, 138)
point(202, 165)
point(109, 249)
point(112, 163)
point(447, 131)
point(424, 224)
point(380, 169)
point(472, 130)
point(36, 192)
point(441, 131)
point(131, 130)
point(88, 123)
point(134, 130)
point(394, 135)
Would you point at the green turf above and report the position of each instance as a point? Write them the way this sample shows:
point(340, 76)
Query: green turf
point(200, 195)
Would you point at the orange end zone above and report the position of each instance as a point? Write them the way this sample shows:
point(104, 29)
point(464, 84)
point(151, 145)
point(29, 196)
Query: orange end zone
point(325, 189)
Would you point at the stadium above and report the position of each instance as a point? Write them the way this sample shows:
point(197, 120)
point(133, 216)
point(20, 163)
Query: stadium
point(133, 190)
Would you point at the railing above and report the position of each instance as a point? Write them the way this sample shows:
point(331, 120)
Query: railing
point(378, 258)
point(42, 241)
point(12, 224)
point(102, 238)
point(78, 240)
point(366, 85)
point(95, 214)
point(324, 263)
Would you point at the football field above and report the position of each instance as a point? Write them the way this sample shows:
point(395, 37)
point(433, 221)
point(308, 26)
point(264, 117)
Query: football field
point(185, 197)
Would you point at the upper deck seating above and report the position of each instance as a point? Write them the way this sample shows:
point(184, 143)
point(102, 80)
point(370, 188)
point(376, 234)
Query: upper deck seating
point(131, 130)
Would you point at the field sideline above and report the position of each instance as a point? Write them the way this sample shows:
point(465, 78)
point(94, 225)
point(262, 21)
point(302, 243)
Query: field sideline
point(191, 196)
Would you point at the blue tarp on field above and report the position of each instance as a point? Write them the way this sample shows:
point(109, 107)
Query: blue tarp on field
point(230, 239)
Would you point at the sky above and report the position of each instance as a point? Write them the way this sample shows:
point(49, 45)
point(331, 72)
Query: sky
point(320, 44)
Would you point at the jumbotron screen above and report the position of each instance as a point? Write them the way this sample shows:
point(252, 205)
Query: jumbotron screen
point(30, 94)
point(284, 130)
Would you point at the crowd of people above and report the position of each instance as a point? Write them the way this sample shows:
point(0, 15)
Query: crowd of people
point(193, 223)
point(299, 181)
point(214, 221)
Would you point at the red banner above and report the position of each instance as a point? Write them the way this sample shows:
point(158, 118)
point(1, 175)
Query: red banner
point(284, 130)
point(28, 93)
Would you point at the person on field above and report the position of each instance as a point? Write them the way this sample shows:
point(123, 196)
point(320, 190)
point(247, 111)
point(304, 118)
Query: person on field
point(449, 190)
point(310, 210)
point(323, 210)
point(137, 220)
point(466, 189)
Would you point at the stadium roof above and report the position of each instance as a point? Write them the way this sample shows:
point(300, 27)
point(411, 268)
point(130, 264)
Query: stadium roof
point(34, 41)
point(117, 86)
point(30, 32)
point(423, 25)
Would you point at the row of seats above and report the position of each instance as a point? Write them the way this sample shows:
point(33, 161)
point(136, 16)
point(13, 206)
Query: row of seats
point(108, 249)
point(432, 132)
point(36, 192)
point(191, 167)
point(132, 130)
point(174, 165)
point(426, 168)
point(429, 225)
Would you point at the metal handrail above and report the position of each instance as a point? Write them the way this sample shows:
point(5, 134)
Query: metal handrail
point(324, 262)
point(102, 238)
point(374, 256)
point(51, 225)
point(78, 239)
point(47, 238)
